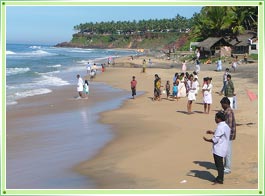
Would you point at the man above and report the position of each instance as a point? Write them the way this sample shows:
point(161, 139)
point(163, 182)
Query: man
point(80, 84)
point(224, 80)
point(231, 122)
point(133, 86)
point(220, 144)
point(88, 68)
point(230, 91)
point(219, 65)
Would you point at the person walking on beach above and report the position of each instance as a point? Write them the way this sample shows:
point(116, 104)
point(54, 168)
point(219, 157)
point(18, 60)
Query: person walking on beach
point(88, 68)
point(144, 65)
point(133, 86)
point(231, 122)
point(157, 86)
point(80, 84)
point(230, 91)
point(168, 88)
point(191, 93)
point(224, 81)
point(175, 90)
point(219, 65)
point(220, 145)
point(86, 88)
point(207, 95)
point(234, 63)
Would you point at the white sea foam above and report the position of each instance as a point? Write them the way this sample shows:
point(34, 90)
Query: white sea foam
point(35, 47)
point(11, 103)
point(16, 70)
point(49, 80)
point(8, 52)
point(36, 53)
point(55, 66)
point(32, 92)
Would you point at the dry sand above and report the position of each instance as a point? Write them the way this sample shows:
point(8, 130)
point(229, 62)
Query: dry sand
point(159, 146)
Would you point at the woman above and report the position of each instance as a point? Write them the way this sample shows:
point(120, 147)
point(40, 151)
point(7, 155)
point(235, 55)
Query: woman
point(157, 86)
point(181, 86)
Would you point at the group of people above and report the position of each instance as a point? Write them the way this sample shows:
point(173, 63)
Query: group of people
point(225, 132)
point(82, 87)
point(222, 139)
point(186, 85)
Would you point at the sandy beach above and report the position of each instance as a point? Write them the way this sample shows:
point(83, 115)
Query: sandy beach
point(159, 146)
point(156, 145)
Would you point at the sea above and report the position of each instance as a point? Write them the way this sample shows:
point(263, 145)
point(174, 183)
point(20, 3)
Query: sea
point(64, 139)
point(33, 69)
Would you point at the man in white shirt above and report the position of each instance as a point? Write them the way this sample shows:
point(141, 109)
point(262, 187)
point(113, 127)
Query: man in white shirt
point(220, 141)
point(80, 87)
point(88, 68)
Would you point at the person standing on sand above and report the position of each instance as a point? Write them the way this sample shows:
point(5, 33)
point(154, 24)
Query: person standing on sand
point(80, 84)
point(86, 88)
point(230, 91)
point(207, 95)
point(181, 86)
point(157, 86)
point(220, 145)
point(231, 122)
point(191, 92)
point(88, 68)
point(168, 88)
point(234, 63)
point(219, 65)
point(133, 86)
point(184, 66)
point(224, 80)
point(144, 65)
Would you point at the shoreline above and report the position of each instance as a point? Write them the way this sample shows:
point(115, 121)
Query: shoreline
point(56, 130)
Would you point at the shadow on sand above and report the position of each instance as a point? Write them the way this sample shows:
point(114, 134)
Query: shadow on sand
point(205, 175)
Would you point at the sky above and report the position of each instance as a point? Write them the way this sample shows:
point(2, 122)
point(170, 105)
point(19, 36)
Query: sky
point(54, 24)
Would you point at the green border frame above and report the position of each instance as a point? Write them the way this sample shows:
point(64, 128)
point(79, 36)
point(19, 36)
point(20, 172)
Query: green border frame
point(259, 191)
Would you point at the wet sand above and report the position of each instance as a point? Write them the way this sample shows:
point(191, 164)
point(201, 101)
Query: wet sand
point(48, 134)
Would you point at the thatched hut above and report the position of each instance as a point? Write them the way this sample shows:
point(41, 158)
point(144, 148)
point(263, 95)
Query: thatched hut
point(214, 46)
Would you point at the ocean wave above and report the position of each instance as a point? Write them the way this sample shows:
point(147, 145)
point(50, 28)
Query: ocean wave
point(48, 80)
point(8, 52)
point(81, 50)
point(35, 47)
point(54, 66)
point(83, 62)
point(37, 53)
point(16, 70)
point(11, 102)
point(33, 92)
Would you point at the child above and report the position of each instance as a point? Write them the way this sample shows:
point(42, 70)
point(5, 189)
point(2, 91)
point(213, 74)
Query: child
point(197, 84)
point(86, 88)
point(168, 88)
point(207, 95)
point(191, 93)
point(133, 86)
point(175, 90)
